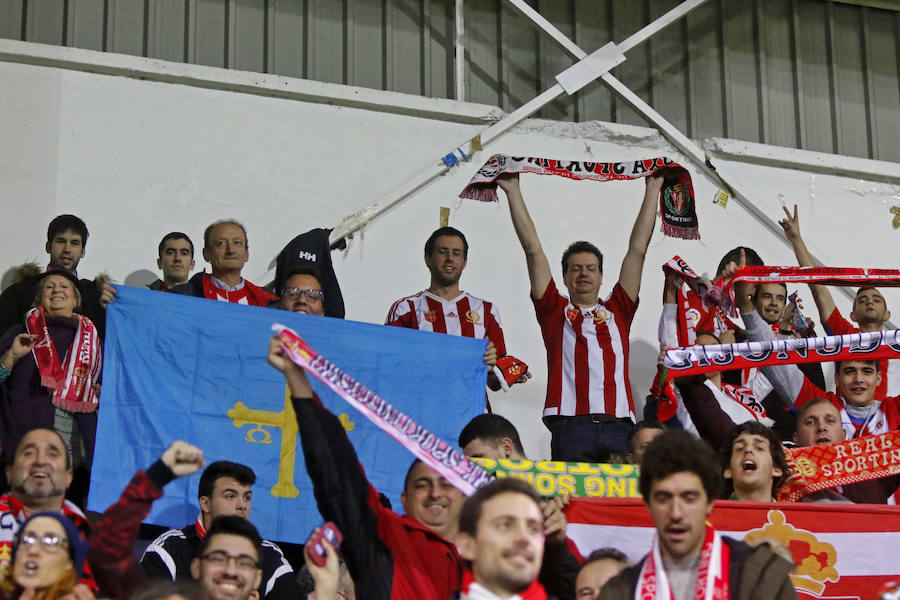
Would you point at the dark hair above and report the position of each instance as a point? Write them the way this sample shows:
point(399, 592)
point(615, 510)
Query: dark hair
point(451, 231)
point(605, 554)
point(865, 288)
point(165, 588)
point(409, 473)
point(243, 474)
point(232, 525)
point(645, 424)
point(756, 292)
point(577, 248)
point(490, 429)
point(175, 235)
point(750, 255)
point(39, 289)
point(677, 451)
point(302, 270)
point(66, 448)
point(471, 509)
point(776, 450)
point(64, 223)
point(875, 362)
point(208, 231)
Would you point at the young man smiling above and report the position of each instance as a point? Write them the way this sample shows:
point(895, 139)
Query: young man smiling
point(679, 482)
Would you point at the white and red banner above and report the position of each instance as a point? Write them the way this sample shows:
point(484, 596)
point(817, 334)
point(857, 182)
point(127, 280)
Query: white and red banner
point(842, 551)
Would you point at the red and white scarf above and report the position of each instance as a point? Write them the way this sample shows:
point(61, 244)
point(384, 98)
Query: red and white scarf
point(712, 572)
point(676, 198)
point(72, 381)
point(842, 276)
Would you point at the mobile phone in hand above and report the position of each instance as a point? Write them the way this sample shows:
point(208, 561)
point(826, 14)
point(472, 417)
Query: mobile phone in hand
point(314, 547)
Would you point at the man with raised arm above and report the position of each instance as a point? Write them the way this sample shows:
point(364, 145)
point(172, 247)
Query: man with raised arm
point(869, 308)
point(588, 408)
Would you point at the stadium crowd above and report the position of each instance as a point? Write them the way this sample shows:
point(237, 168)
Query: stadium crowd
point(720, 435)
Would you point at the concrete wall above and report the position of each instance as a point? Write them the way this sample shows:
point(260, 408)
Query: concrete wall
point(137, 158)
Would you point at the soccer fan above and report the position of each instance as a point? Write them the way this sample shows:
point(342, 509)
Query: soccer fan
point(679, 482)
point(225, 488)
point(644, 433)
point(869, 307)
point(588, 408)
point(818, 422)
point(67, 237)
point(303, 292)
point(444, 307)
point(863, 410)
point(226, 250)
point(330, 581)
point(47, 560)
point(501, 537)
point(410, 556)
point(176, 261)
point(227, 565)
point(493, 436)
point(600, 566)
point(39, 476)
point(754, 463)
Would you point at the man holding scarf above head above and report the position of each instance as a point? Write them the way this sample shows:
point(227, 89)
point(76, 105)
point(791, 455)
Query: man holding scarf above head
point(588, 410)
point(689, 559)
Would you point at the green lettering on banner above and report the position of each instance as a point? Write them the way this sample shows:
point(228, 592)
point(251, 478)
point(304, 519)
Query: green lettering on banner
point(550, 478)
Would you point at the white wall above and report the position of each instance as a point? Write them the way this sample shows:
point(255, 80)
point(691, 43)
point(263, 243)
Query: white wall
point(138, 158)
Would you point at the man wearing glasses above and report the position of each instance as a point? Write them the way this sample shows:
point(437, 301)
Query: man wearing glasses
point(225, 489)
point(303, 292)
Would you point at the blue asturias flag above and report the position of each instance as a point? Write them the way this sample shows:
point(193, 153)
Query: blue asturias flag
point(177, 367)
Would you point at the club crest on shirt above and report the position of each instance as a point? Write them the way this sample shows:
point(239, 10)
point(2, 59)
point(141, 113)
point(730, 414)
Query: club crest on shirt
point(473, 317)
point(572, 313)
point(430, 316)
point(601, 315)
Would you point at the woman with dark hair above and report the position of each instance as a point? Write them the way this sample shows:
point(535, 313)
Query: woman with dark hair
point(56, 387)
point(47, 560)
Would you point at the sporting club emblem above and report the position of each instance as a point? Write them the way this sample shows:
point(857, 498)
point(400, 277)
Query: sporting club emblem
point(601, 315)
point(493, 167)
point(430, 316)
point(473, 317)
point(676, 199)
point(572, 313)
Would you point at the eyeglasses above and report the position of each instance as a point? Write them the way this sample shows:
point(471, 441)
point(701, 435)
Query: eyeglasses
point(310, 294)
point(49, 542)
point(220, 558)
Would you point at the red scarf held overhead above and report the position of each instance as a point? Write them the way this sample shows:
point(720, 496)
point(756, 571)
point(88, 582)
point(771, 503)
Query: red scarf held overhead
point(841, 276)
point(676, 198)
point(71, 381)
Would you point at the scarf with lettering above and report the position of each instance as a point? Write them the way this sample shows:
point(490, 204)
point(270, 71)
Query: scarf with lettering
point(840, 463)
point(694, 313)
point(694, 360)
point(676, 197)
point(817, 275)
point(712, 572)
point(71, 381)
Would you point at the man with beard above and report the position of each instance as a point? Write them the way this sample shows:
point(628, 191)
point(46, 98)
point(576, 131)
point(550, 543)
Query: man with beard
point(679, 482)
point(39, 476)
point(445, 308)
point(501, 537)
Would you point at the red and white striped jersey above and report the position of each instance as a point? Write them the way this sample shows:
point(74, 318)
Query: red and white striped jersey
point(587, 354)
point(890, 368)
point(465, 315)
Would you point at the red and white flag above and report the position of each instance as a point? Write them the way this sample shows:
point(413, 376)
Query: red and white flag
point(842, 551)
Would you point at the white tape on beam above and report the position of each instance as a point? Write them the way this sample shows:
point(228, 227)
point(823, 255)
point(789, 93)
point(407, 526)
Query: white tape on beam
point(590, 68)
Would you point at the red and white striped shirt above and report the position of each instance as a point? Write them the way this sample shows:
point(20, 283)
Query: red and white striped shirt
point(587, 354)
point(465, 315)
point(836, 324)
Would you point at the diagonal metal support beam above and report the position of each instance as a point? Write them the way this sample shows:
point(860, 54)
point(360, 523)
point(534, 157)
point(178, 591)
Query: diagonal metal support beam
point(604, 59)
